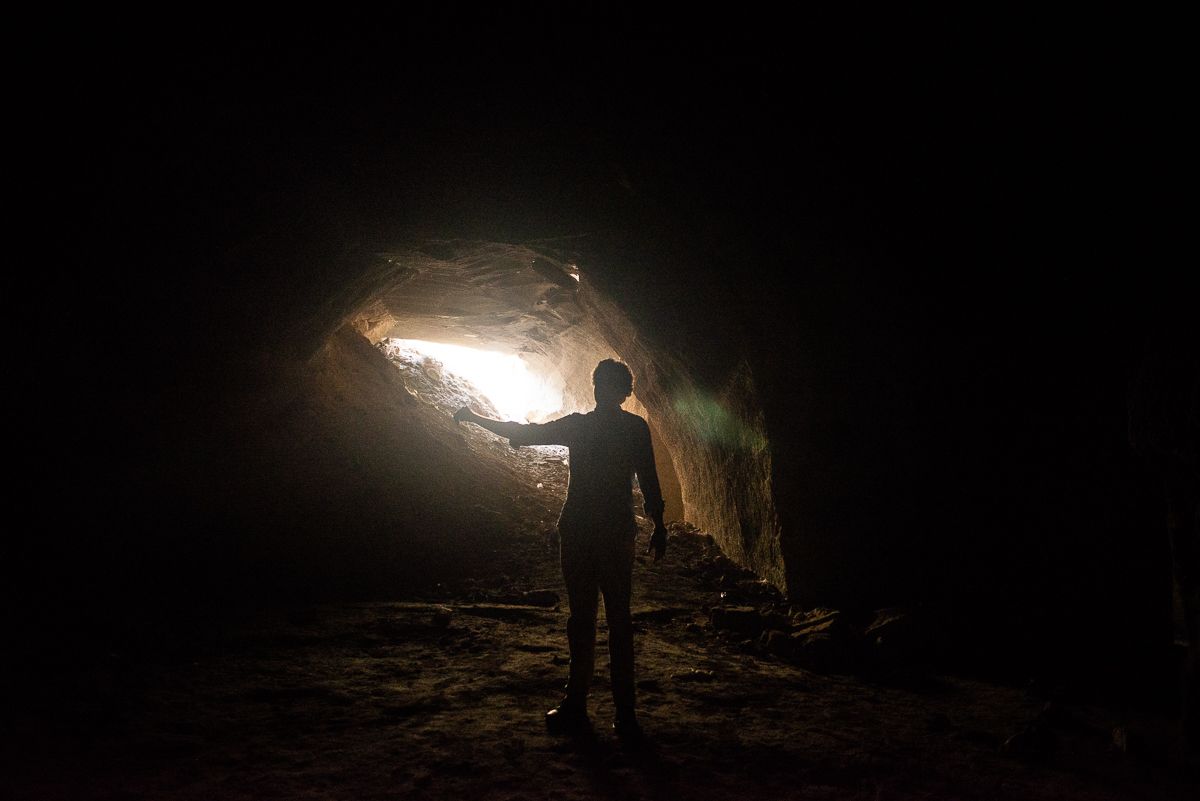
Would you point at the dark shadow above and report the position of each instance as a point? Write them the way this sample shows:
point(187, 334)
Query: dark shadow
point(618, 769)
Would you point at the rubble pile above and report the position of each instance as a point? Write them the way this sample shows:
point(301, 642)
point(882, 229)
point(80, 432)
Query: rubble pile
point(428, 380)
point(753, 615)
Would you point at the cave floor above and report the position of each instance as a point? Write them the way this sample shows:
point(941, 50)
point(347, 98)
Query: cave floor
point(444, 697)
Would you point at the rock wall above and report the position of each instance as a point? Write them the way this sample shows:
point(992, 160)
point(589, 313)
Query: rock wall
point(717, 437)
point(713, 450)
point(888, 359)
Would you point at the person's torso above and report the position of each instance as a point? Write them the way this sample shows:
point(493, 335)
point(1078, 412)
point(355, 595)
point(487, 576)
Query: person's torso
point(603, 459)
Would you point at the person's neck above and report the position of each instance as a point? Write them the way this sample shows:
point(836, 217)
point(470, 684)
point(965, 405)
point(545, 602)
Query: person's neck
point(608, 408)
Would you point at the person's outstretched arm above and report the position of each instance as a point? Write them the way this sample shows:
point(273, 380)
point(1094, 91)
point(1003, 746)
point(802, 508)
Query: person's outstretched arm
point(500, 428)
point(556, 432)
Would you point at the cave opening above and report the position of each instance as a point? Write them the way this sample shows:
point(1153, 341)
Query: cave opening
point(498, 386)
point(513, 334)
point(500, 381)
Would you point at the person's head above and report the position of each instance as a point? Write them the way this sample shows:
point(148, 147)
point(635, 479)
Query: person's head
point(612, 382)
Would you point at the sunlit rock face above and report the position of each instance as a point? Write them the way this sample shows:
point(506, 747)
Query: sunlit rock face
point(547, 307)
point(713, 450)
point(493, 297)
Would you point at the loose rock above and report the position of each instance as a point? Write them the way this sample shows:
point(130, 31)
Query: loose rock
point(742, 619)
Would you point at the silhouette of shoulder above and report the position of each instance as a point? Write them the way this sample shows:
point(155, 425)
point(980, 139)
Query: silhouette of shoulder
point(635, 420)
point(636, 423)
point(569, 429)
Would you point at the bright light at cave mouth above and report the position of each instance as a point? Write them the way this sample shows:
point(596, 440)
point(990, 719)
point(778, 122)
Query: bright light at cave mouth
point(502, 377)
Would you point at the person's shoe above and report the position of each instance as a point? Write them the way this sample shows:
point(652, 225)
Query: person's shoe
point(568, 716)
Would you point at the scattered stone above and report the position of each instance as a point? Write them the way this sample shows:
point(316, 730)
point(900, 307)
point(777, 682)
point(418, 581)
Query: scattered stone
point(777, 642)
point(743, 619)
point(560, 660)
point(694, 674)
point(540, 598)
point(425, 378)
point(684, 527)
point(723, 571)
point(827, 622)
point(694, 628)
point(820, 639)
point(812, 617)
point(758, 590)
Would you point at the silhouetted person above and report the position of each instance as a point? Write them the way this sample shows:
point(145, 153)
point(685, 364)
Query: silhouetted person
point(597, 532)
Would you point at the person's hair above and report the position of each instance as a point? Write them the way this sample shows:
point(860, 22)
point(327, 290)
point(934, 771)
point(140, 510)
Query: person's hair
point(615, 374)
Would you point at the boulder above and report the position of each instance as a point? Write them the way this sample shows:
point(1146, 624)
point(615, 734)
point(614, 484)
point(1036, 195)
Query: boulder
point(830, 622)
point(823, 640)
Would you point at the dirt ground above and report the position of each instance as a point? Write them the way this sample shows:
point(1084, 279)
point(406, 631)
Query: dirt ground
point(443, 698)
point(442, 695)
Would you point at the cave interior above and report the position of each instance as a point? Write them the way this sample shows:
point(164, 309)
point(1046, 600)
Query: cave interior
point(904, 334)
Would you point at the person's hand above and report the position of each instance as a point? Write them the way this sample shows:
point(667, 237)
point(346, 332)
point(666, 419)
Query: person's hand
point(463, 415)
point(658, 542)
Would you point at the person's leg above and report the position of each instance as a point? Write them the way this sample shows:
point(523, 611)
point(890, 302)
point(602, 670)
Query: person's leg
point(616, 582)
point(580, 577)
